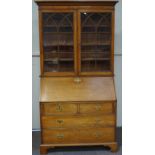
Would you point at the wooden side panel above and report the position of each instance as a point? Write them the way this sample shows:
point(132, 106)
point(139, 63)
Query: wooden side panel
point(41, 43)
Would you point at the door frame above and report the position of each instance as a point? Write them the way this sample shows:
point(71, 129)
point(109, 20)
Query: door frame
point(93, 10)
point(60, 10)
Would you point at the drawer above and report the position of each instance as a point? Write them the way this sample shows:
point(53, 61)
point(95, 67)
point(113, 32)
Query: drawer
point(59, 136)
point(77, 121)
point(98, 107)
point(97, 135)
point(58, 108)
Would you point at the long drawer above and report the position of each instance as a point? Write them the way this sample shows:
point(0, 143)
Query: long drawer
point(97, 135)
point(49, 122)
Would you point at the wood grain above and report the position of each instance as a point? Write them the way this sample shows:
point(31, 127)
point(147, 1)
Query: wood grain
point(59, 108)
point(62, 2)
point(65, 89)
point(76, 7)
point(72, 108)
point(96, 108)
point(80, 136)
point(77, 112)
point(49, 122)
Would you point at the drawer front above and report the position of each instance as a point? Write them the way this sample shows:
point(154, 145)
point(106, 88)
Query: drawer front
point(106, 107)
point(58, 108)
point(98, 135)
point(59, 136)
point(77, 121)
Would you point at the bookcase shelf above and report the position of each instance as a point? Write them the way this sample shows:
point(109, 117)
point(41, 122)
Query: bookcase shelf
point(88, 51)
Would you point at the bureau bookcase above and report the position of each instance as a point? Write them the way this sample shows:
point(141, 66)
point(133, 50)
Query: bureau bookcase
point(77, 91)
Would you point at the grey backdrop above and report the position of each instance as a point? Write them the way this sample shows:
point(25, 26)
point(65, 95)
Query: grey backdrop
point(36, 64)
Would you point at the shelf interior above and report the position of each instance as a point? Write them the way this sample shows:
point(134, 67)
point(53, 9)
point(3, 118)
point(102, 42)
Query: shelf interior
point(58, 43)
point(96, 42)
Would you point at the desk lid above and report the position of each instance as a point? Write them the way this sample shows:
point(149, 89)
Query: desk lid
point(68, 89)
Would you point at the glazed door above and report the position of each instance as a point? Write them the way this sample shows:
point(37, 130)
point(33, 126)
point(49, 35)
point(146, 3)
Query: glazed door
point(96, 42)
point(58, 43)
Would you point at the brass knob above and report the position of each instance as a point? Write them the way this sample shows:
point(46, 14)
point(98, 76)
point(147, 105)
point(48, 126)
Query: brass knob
point(59, 107)
point(98, 134)
point(98, 107)
point(60, 121)
point(77, 80)
point(60, 136)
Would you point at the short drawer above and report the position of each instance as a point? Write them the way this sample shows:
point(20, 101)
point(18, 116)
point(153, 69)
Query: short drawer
point(49, 122)
point(97, 135)
point(98, 107)
point(58, 108)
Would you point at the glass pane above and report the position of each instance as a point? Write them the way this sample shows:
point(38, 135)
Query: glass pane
point(95, 42)
point(58, 42)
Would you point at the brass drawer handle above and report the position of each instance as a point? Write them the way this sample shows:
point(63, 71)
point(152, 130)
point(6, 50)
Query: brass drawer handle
point(98, 107)
point(98, 134)
point(60, 121)
point(60, 136)
point(59, 107)
point(77, 80)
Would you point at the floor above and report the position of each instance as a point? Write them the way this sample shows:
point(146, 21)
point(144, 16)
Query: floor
point(76, 150)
